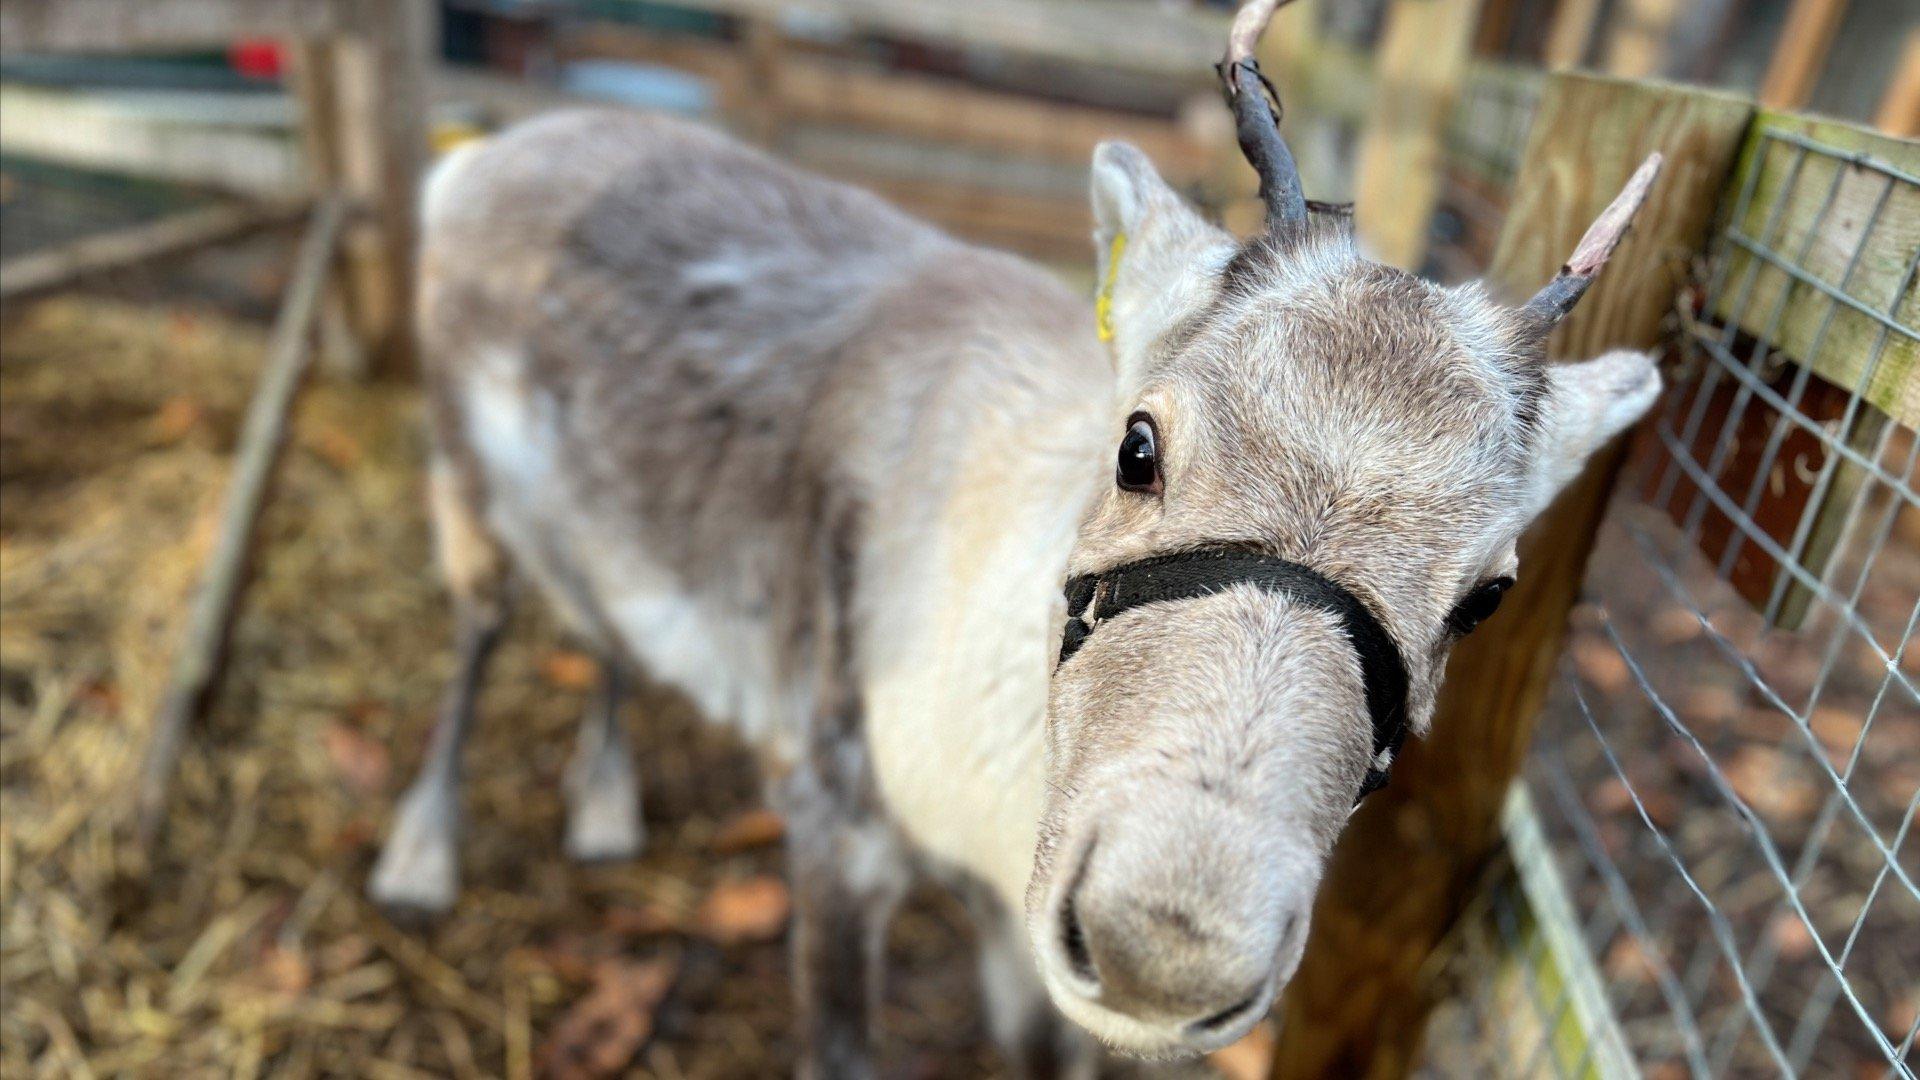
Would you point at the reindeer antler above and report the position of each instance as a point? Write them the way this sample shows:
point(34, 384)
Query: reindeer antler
point(1256, 117)
point(1558, 296)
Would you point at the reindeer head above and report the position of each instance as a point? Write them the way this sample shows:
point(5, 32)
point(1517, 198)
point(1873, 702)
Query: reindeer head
point(1322, 465)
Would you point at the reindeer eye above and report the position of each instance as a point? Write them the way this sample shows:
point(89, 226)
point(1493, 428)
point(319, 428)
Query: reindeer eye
point(1139, 465)
point(1479, 604)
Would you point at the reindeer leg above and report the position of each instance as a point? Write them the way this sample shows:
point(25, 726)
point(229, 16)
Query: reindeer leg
point(1035, 1040)
point(849, 872)
point(603, 788)
point(419, 868)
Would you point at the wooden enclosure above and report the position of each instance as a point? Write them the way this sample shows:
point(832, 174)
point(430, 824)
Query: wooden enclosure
point(1460, 164)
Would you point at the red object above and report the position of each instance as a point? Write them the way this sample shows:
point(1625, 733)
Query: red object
point(258, 58)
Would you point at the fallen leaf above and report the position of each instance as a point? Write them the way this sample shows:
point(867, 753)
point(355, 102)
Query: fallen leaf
point(646, 921)
point(1672, 625)
point(1790, 935)
point(345, 954)
point(600, 1033)
point(361, 761)
point(334, 446)
point(752, 829)
point(1838, 729)
point(102, 695)
point(283, 972)
point(1772, 783)
point(1612, 796)
point(745, 909)
point(570, 670)
point(1709, 704)
point(1249, 1059)
point(1903, 1014)
point(1628, 961)
point(175, 419)
point(1599, 663)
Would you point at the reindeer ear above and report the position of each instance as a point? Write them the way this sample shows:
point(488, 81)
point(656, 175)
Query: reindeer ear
point(1587, 404)
point(1157, 259)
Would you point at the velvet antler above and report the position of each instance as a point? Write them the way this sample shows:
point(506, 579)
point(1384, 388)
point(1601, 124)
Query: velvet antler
point(1558, 296)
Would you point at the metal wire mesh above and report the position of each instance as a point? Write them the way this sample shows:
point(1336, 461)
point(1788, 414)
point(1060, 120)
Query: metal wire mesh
point(1729, 771)
point(1485, 136)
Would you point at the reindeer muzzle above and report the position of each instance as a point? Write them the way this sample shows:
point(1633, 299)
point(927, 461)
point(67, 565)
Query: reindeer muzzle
point(1094, 598)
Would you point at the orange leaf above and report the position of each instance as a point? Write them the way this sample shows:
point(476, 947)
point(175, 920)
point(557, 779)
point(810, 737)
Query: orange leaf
point(747, 909)
point(1790, 935)
point(176, 418)
point(752, 829)
point(1249, 1059)
point(283, 972)
point(1628, 961)
point(645, 921)
point(570, 670)
point(1599, 663)
point(601, 1032)
point(334, 446)
point(362, 762)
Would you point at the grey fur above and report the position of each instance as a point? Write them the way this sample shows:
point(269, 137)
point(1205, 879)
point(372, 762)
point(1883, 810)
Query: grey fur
point(826, 468)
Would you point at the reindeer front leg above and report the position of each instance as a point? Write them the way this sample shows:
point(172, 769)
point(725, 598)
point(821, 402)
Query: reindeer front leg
point(849, 872)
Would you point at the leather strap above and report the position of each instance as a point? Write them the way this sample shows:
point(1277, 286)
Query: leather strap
point(1094, 598)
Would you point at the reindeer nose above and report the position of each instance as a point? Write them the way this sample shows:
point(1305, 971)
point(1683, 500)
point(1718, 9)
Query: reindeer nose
point(1193, 963)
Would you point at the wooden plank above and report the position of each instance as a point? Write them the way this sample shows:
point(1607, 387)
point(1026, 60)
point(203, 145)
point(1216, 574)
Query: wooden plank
point(1413, 855)
point(196, 666)
point(120, 25)
point(380, 81)
point(39, 271)
point(1423, 58)
point(1642, 35)
point(1800, 54)
point(101, 133)
point(1175, 43)
point(1899, 111)
point(822, 90)
point(1056, 230)
point(1570, 35)
point(1764, 299)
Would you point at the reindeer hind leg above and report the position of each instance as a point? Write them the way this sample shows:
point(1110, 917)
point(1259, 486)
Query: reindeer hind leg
point(603, 788)
point(418, 869)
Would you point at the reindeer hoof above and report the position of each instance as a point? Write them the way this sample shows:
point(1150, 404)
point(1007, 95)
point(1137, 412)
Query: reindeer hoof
point(603, 822)
point(418, 875)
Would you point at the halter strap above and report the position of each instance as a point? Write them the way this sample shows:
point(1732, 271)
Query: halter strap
point(1094, 598)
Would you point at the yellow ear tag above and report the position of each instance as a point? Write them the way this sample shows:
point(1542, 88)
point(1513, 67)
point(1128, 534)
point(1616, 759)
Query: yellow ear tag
point(1103, 303)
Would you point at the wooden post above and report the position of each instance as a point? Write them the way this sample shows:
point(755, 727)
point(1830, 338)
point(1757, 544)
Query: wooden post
point(765, 48)
point(378, 143)
point(1642, 33)
point(196, 665)
point(1422, 59)
point(1413, 854)
point(1571, 34)
point(1801, 53)
point(1899, 111)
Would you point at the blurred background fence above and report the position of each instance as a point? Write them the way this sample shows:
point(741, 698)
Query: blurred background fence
point(1704, 864)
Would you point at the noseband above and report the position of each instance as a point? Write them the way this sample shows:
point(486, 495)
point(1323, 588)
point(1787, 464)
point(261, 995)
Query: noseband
point(1094, 598)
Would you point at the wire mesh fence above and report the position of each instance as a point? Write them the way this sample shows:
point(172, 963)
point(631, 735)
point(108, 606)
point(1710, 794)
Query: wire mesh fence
point(1727, 778)
point(1485, 134)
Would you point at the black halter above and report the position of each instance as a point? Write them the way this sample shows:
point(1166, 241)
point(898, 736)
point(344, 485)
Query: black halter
point(1094, 598)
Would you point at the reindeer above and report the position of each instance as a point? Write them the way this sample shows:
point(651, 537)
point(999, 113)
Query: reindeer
point(827, 470)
